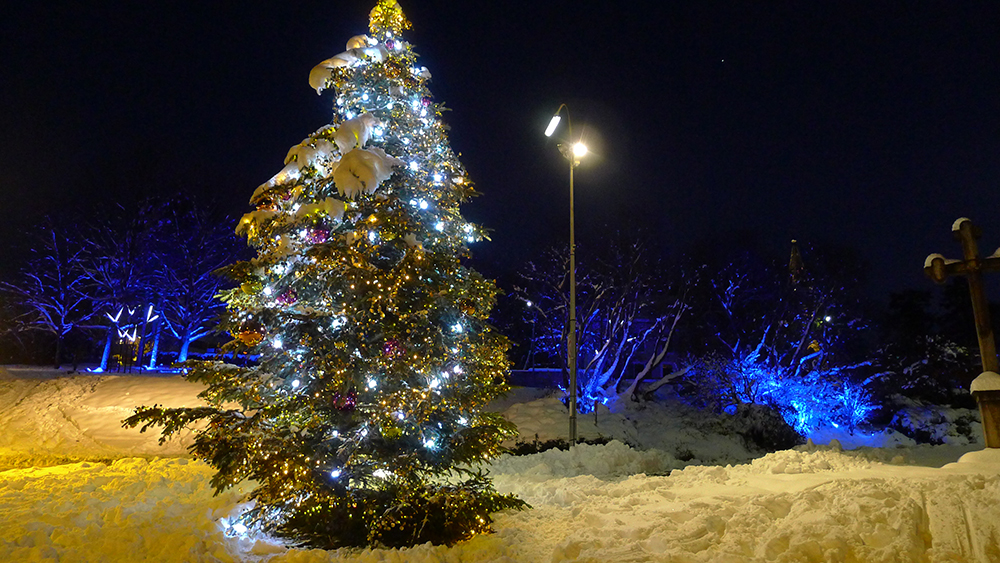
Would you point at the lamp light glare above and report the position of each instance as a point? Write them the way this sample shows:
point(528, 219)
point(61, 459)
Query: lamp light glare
point(552, 125)
point(579, 149)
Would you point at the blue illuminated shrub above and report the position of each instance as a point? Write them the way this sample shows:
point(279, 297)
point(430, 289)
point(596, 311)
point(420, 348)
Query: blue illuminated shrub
point(811, 400)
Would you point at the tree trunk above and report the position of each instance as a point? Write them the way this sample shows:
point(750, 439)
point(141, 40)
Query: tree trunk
point(59, 342)
point(107, 351)
point(156, 345)
point(185, 343)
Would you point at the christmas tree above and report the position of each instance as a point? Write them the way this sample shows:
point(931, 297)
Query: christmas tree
point(363, 421)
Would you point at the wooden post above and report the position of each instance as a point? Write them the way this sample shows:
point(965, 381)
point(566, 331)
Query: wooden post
point(972, 267)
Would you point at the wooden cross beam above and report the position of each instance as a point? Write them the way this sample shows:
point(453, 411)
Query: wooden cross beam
point(972, 266)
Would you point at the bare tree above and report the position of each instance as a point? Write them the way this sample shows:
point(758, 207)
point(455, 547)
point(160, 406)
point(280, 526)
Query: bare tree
point(50, 292)
point(628, 314)
point(192, 245)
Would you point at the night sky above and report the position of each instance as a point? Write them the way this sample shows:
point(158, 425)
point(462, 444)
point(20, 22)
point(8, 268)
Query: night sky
point(867, 125)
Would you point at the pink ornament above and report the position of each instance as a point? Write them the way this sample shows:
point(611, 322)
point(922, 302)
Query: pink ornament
point(287, 298)
point(318, 236)
point(392, 348)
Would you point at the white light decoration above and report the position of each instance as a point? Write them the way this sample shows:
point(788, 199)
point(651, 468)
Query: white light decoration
point(338, 322)
point(471, 238)
point(303, 233)
point(267, 290)
point(527, 303)
point(437, 177)
point(378, 131)
point(435, 383)
point(828, 318)
point(415, 103)
point(295, 384)
point(457, 369)
point(296, 207)
point(414, 165)
point(372, 384)
point(406, 140)
point(276, 344)
point(439, 226)
point(463, 421)
point(372, 235)
point(349, 114)
point(381, 474)
point(400, 415)
point(364, 97)
point(335, 434)
point(335, 473)
point(468, 228)
point(423, 204)
point(423, 113)
point(457, 328)
point(430, 443)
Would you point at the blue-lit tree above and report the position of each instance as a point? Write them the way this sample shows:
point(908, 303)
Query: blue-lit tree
point(191, 244)
point(364, 420)
point(785, 337)
point(120, 266)
point(628, 310)
point(50, 293)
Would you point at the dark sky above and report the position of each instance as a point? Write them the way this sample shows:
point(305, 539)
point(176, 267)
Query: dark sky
point(870, 125)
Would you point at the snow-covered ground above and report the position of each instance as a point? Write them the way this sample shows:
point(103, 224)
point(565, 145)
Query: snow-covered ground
point(75, 486)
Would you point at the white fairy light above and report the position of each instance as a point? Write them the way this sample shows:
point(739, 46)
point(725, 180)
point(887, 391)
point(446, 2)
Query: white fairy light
point(364, 97)
point(457, 327)
point(423, 204)
point(463, 421)
point(335, 473)
point(268, 290)
point(439, 226)
point(381, 474)
point(414, 165)
point(457, 369)
point(429, 443)
point(295, 384)
point(372, 384)
point(276, 344)
point(437, 177)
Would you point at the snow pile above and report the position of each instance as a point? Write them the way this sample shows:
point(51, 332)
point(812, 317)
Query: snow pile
point(47, 416)
point(594, 503)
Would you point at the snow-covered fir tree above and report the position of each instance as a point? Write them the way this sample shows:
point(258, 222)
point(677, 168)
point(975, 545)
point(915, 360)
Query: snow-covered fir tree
point(364, 421)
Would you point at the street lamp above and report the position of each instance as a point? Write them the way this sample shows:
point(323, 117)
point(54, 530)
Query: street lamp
point(573, 153)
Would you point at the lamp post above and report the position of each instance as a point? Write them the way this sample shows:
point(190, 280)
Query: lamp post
point(573, 153)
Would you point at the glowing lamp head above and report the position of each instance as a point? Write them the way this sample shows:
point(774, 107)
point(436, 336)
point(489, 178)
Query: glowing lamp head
point(552, 125)
point(579, 150)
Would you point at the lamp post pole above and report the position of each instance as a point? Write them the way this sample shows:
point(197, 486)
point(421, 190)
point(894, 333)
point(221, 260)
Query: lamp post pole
point(572, 153)
point(572, 293)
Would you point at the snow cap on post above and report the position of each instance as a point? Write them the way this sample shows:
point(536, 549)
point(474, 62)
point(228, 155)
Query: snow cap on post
point(987, 381)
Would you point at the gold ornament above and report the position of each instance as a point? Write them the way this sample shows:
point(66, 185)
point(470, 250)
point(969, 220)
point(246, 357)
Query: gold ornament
point(387, 16)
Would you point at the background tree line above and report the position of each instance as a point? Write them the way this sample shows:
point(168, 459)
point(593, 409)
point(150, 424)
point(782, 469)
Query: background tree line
point(732, 327)
point(117, 285)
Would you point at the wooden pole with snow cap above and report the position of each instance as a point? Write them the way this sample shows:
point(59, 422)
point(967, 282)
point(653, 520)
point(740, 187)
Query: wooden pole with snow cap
point(986, 387)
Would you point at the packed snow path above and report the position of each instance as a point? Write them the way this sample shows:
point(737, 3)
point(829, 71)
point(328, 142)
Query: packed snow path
point(811, 504)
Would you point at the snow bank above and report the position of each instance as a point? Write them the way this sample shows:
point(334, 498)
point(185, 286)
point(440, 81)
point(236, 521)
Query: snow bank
point(595, 503)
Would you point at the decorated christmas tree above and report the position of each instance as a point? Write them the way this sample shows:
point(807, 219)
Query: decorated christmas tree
point(362, 422)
